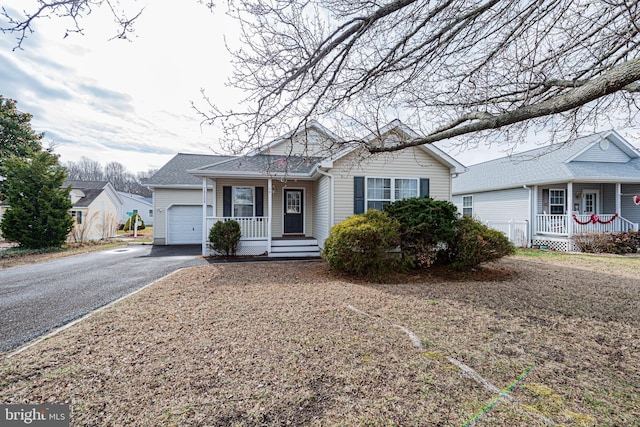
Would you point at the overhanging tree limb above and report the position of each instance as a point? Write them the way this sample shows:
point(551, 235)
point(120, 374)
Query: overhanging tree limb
point(620, 78)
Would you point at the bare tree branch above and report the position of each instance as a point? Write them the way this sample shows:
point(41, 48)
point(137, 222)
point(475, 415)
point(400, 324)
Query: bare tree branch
point(73, 10)
point(446, 67)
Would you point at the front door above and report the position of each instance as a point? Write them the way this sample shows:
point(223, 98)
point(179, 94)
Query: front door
point(293, 212)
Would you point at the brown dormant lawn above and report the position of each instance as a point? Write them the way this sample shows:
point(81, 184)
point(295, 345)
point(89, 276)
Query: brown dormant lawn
point(528, 341)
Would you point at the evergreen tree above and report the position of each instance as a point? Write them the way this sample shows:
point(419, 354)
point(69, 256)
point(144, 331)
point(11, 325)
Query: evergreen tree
point(38, 215)
point(17, 138)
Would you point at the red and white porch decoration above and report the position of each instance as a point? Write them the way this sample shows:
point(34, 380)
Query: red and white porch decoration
point(595, 219)
point(636, 199)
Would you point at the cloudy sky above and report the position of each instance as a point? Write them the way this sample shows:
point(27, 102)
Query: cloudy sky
point(128, 101)
point(115, 100)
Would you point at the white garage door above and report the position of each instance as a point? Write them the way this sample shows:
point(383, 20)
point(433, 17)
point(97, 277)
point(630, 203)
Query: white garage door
point(185, 225)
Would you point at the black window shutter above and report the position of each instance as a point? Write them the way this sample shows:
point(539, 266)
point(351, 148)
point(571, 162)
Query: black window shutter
point(226, 201)
point(358, 194)
point(424, 187)
point(259, 201)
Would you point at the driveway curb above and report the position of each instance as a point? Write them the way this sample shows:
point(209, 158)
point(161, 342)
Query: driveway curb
point(86, 316)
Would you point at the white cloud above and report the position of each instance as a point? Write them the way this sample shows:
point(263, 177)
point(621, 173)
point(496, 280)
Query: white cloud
point(115, 100)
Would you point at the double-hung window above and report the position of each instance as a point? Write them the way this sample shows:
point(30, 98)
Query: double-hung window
point(243, 201)
point(556, 202)
point(383, 191)
point(467, 205)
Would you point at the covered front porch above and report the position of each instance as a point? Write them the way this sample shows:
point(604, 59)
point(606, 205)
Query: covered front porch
point(275, 217)
point(568, 209)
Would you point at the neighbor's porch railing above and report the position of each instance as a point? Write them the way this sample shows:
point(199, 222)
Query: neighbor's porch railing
point(558, 224)
point(251, 228)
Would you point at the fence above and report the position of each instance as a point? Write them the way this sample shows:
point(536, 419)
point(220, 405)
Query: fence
point(516, 231)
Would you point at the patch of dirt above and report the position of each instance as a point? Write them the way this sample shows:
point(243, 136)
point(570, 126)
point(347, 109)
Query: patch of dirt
point(279, 343)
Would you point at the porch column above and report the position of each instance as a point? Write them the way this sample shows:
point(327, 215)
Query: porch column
point(534, 213)
point(618, 198)
point(569, 212)
point(204, 216)
point(269, 212)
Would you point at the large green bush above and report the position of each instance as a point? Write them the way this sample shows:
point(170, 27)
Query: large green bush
point(224, 237)
point(38, 215)
point(476, 243)
point(364, 245)
point(427, 228)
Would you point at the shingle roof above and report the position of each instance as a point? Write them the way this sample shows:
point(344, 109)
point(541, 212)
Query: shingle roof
point(264, 164)
point(91, 190)
point(543, 165)
point(174, 173)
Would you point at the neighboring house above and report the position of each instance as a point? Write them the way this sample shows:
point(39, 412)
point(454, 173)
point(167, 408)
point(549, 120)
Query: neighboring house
point(97, 210)
point(554, 192)
point(136, 203)
point(287, 196)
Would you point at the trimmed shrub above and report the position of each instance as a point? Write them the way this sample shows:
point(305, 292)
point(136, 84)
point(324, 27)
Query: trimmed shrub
point(130, 224)
point(363, 245)
point(476, 243)
point(224, 237)
point(427, 229)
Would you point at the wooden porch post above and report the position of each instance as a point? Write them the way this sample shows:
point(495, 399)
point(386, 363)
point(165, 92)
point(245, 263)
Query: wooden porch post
point(618, 198)
point(269, 212)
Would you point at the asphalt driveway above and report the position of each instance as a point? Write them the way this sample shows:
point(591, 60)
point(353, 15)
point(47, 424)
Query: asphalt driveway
point(37, 298)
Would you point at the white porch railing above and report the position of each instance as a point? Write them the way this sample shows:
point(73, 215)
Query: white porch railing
point(558, 224)
point(251, 228)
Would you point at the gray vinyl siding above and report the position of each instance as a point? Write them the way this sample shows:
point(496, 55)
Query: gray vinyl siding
point(408, 163)
point(608, 198)
point(612, 154)
point(164, 198)
point(628, 209)
point(321, 217)
point(503, 205)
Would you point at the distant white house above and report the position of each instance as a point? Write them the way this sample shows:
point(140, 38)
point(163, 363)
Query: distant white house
point(543, 197)
point(97, 209)
point(135, 203)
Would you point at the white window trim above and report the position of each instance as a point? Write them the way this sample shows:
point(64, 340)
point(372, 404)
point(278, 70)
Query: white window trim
point(393, 189)
point(468, 207)
point(564, 198)
point(233, 200)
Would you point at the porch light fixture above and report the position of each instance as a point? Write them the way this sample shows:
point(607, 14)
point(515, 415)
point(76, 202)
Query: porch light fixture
point(579, 195)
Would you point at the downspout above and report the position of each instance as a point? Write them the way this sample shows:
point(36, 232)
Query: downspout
point(331, 195)
point(530, 217)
